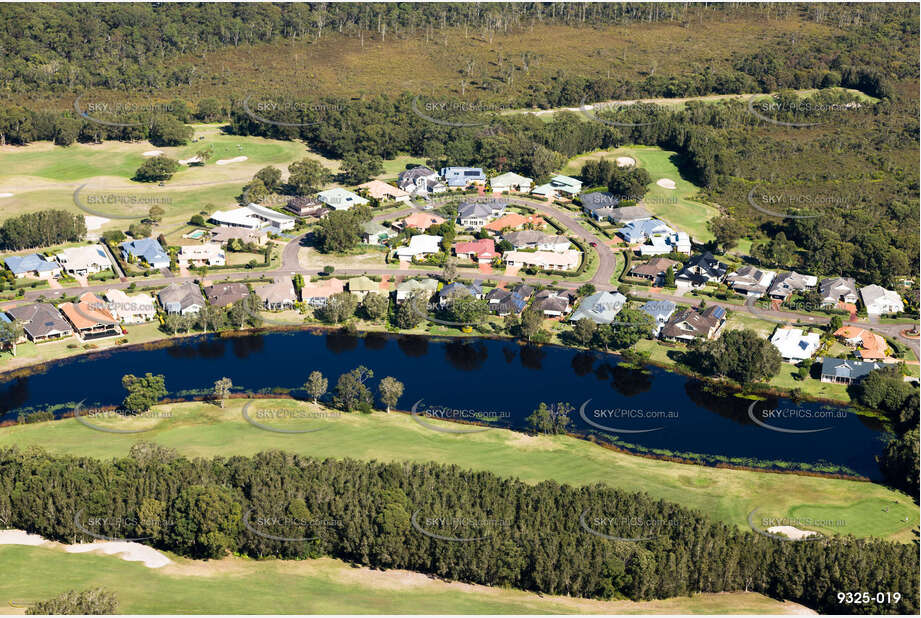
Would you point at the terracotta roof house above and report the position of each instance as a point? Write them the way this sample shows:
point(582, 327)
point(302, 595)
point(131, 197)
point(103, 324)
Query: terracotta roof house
point(303, 206)
point(182, 298)
point(787, 283)
point(145, 250)
point(870, 345)
point(842, 371)
point(654, 269)
point(33, 265)
point(361, 286)
point(660, 311)
point(407, 288)
point(421, 221)
point(700, 270)
point(553, 304)
point(316, 293)
point(514, 221)
point(223, 294)
point(474, 215)
point(750, 281)
point(794, 345)
point(878, 300)
point(41, 322)
point(131, 309)
point(83, 261)
point(206, 254)
point(693, 324)
point(837, 289)
point(546, 260)
point(278, 295)
point(482, 250)
point(510, 181)
point(600, 307)
point(91, 318)
point(223, 234)
point(533, 239)
point(382, 191)
point(420, 181)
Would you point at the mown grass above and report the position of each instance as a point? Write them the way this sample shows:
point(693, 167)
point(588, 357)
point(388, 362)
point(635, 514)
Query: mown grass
point(205, 430)
point(322, 586)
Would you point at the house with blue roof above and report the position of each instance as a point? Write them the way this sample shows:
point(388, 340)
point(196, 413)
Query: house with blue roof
point(659, 311)
point(145, 250)
point(33, 265)
point(463, 176)
point(846, 371)
point(639, 231)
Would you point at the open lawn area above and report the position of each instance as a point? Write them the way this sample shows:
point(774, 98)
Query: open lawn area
point(205, 430)
point(320, 586)
point(679, 206)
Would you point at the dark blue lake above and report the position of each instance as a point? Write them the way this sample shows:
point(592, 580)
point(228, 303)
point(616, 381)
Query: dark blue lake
point(650, 409)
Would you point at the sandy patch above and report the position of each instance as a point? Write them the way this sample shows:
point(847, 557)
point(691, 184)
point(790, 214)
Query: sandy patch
point(6, 194)
point(524, 441)
point(195, 159)
point(153, 153)
point(20, 537)
point(234, 160)
point(94, 223)
point(666, 183)
point(792, 532)
point(126, 550)
point(626, 162)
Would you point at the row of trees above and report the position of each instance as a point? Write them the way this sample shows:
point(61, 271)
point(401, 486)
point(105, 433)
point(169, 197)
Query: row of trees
point(544, 537)
point(41, 229)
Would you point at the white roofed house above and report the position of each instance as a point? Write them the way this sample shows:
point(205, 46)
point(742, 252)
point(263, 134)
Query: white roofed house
point(407, 288)
point(510, 181)
point(83, 261)
point(207, 254)
point(420, 245)
point(340, 199)
point(559, 186)
point(878, 300)
point(794, 345)
point(130, 309)
point(254, 217)
point(546, 260)
point(750, 281)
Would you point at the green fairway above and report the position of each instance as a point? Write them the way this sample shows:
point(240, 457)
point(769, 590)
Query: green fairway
point(323, 586)
point(204, 430)
point(679, 206)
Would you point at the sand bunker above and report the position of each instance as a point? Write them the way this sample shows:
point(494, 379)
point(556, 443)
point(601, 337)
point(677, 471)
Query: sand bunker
point(626, 162)
point(666, 183)
point(195, 159)
point(234, 160)
point(6, 194)
point(792, 532)
point(94, 223)
point(153, 153)
point(126, 550)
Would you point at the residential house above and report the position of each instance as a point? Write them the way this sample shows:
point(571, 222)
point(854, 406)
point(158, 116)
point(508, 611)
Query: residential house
point(628, 214)
point(316, 293)
point(750, 281)
point(223, 234)
point(846, 371)
point(362, 286)
point(278, 295)
point(504, 302)
point(420, 182)
point(600, 307)
point(662, 244)
point(546, 260)
point(878, 300)
point(638, 231)
point(453, 291)
point(700, 270)
point(420, 245)
point(474, 215)
point(660, 311)
point(207, 254)
point(183, 298)
point(787, 283)
point(692, 323)
point(654, 269)
point(145, 251)
point(91, 318)
point(837, 289)
point(463, 176)
point(407, 288)
point(340, 199)
point(130, 309)
point(419, 221)
point(33, 265)
point(384, 192)
point(559, 186)
point(41, 322)
point(533, 239)
point(482, 251)
point(870, 346)
point(599, 204)
point(373, 233)
point(510, 181)
point(254, 217)
point(514, 221)
point(553, 304)
point(303, 206)
point(794, 345)
point(223, 294)
point(523, 290)
point(83, 261)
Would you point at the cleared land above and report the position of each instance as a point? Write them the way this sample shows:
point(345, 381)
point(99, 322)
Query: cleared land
point(323, 586)
point(204, 430)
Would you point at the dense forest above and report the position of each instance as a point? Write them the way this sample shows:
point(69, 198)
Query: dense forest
point(469, 526)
